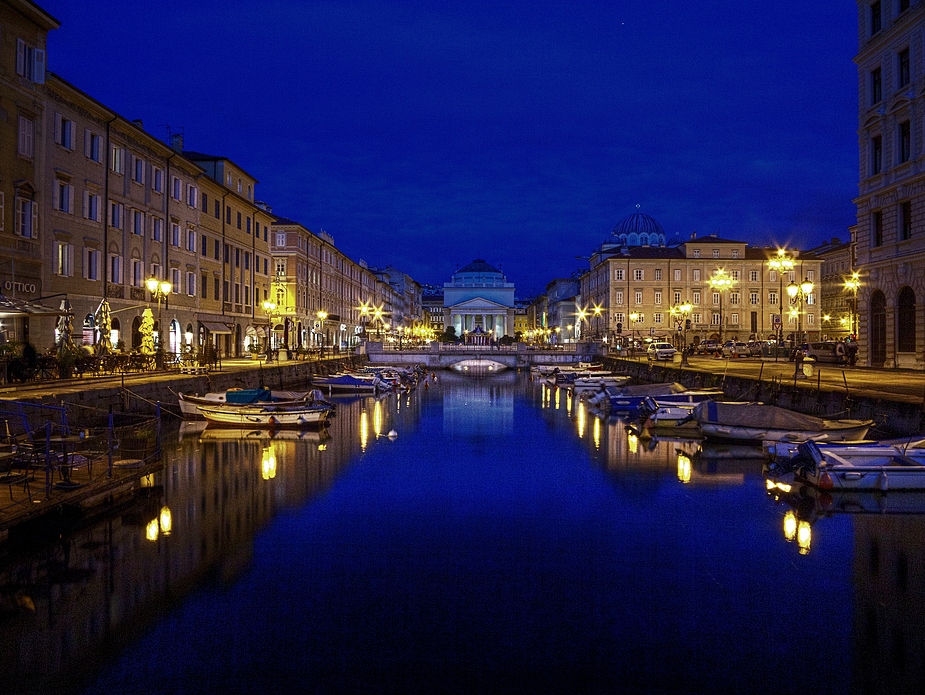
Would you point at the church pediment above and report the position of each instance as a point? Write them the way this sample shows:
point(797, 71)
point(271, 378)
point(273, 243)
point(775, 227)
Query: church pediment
point(478, 304)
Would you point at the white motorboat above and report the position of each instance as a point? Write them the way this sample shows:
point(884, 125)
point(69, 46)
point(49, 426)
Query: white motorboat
point(351, 383)
point(757, 422)
point(270, 415)
point(189, 402)
point(857, 466)
point(670, 418)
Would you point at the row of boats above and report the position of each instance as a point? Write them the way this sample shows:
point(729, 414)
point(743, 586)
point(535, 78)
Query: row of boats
point(277, 409)
point(826, 453)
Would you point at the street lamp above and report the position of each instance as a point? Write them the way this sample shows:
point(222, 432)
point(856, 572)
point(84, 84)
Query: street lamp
point(634, 318)
point(580, 318)
point(720, 281)
point(799, 293)
point(322, 315)
point(268, 308)
point(683, 311)
point(597, 323)
point(781, 263)
point(852, 284)
point(159, 290)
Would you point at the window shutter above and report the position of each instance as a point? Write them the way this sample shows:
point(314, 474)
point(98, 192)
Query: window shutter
point(70, 199)
point(38, 71)
point(87, 143)
point(58, 128)
point(56, 195)
point(86, 210)
point(20, 57)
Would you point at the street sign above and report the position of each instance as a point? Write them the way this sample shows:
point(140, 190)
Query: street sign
point(777, 319)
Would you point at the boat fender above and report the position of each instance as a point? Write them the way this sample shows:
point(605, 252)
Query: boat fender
point(393, 434)
point(882, 482)
point(825, 481)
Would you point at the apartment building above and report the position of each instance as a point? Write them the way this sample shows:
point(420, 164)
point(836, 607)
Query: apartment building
point(890, 232)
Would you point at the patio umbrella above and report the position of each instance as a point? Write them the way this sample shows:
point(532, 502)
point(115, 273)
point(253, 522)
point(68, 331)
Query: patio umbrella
point(65, 327)
point(104, 321)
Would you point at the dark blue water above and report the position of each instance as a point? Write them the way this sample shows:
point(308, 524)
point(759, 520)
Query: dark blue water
point(505, 541)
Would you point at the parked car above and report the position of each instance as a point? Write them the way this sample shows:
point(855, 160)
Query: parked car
point(755, 348)
point(708, 347)
point(828, 351)
point(734, 348)
point(661, 351)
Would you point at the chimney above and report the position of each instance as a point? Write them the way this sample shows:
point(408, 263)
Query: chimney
point(176, 142)
point(138, 122)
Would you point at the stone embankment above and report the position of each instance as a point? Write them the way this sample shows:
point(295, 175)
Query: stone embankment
point(895, 416)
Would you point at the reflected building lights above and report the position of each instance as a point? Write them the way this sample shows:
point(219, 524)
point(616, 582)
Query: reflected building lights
point(804, 537)
point(597, 433)
point(364, 430)
point(685, 467)
point(161, 525)
point(377, 419)
point(268, 464)
point(581, 420)
point(790, 526)
point(633, 442)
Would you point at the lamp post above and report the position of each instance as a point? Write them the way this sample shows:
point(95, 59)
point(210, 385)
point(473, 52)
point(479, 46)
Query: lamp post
point(159, 290)
point(852, 284)
point(781, 263)
point(580, 317)
point(322, 315)
point(683, 311)
point(597, 324)
point(634, 318)
point(720, 281)
point(799, 293)
point(268, 308)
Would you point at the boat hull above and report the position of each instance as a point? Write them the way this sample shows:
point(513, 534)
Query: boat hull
point(264, 416)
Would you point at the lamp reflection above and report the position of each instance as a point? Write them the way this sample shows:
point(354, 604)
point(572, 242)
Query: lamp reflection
point(581, 420)
point(633, 442)
point(268, 464)
point(160, 525)
point(684, 467)
point(377, 418)
point(790, 526)
point(804, 537)
point(597, 433)
point(364, 430)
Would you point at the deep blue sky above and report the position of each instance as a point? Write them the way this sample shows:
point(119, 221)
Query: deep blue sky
point(427, 134)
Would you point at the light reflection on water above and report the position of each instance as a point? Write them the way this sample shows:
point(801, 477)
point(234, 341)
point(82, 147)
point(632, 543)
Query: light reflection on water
point(508, 536)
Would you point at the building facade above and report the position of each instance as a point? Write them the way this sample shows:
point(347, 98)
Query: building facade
point(480, 299)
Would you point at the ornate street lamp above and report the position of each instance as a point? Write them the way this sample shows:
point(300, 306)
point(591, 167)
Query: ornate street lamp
point(322, 315)
point(268, 308)
point(852, 284)
point(683, 312)
point(781, 263)
point(799, 293)
point(720, 282)
point(597, 323)
point(159, 290)
point(635, 317)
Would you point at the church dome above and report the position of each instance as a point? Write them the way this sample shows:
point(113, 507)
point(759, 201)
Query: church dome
point(479, 266)
point(638, 229)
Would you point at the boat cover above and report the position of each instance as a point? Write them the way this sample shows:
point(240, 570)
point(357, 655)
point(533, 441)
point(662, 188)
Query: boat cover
point(758, 415)
point(243, 396)
point(651, 389)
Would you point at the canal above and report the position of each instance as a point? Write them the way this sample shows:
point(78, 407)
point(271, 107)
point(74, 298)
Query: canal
point(502, 539)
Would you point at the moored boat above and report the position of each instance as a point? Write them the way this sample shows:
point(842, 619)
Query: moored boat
point(268, 415)
point(626, 401)
point(189, 402)
point(353, 383)
point(758, 422)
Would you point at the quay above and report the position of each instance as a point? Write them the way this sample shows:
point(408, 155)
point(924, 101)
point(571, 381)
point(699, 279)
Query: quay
point(892, 397)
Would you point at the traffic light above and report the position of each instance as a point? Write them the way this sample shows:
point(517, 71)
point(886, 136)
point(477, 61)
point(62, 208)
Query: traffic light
point(619, 328)
point(687, 324)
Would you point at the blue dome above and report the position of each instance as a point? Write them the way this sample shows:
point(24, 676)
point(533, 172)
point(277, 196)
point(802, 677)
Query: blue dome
point(638, 229)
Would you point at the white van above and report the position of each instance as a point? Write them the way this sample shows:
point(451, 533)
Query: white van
point(829, 352)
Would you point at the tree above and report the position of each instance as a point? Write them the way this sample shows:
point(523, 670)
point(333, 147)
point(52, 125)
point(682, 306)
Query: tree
point(449, 335)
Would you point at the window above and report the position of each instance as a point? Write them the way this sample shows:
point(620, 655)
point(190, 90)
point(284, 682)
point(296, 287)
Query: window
point(905, 221)
point(876, 86)
point(905, 320)
point(157, 179)
point(677, 275)
point(677, 297)
point(64, 259)
point(247, 260)
point(156, 271)
point(204, 245)
point(753, 276)
point(117, 160)
point(64, 132)
point(695, 297)
point(638, 297)
point(658, 298)
point(91, 268)
point(876, 227)
point(658, 273)
point(63, 194)
point(227, 215)
point(205, 202)
point(876, 155)
point(157, 229)
point(618, 297)
point(905, 141)
point(191, 240)
point(716, 298)
point(30, 62)
point(696, 253)
point(175, 234)
point(620, 318)
point(91, 206)
point(138, 170)
point(191, 284)
point(175, 279)
point(715, 318)
point(138, 222)
point(238, 225)
point(115, 269)
point(176, 186)
point(92, 146)
point(876, 18)
point(237, 258)
point(696, 317)
point(138, 273)
point(753, 298)
point(26, 146)
point(658, 317)
point(734, 319)
point(903, 67)
point(192, 196)
point(736, 275)
point(218, 210)
point(715, 253)
point(248, 225)
point(281, 243)
point(696, 275)
point(116, 215)
point(638, 274)
point(26, 218)
point(734, 297)
point(218, 248)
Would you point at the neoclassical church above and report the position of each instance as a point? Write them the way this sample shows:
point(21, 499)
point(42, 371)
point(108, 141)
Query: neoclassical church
point(479, 302)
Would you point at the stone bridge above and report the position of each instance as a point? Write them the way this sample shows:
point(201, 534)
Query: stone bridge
point(516, 356)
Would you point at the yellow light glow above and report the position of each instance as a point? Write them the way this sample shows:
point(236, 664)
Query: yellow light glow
point(377, 418)
point(633, 442)
point(597, 433)
point(804, 537)
point(364, 430)
point(684, 467)
point(790, 526)
point(152, 530)
point(582, 420)
point(166, 520)
point(268, 464)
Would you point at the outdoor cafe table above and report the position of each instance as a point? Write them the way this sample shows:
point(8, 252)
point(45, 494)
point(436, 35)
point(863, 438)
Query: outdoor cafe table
point(66, 444)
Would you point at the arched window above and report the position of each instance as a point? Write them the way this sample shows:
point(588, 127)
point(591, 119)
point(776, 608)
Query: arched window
point(877, 328)
point(905, 320)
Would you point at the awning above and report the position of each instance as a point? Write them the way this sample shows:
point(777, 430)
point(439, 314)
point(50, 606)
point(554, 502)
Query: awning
point(214, 327)
point(11, 306)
